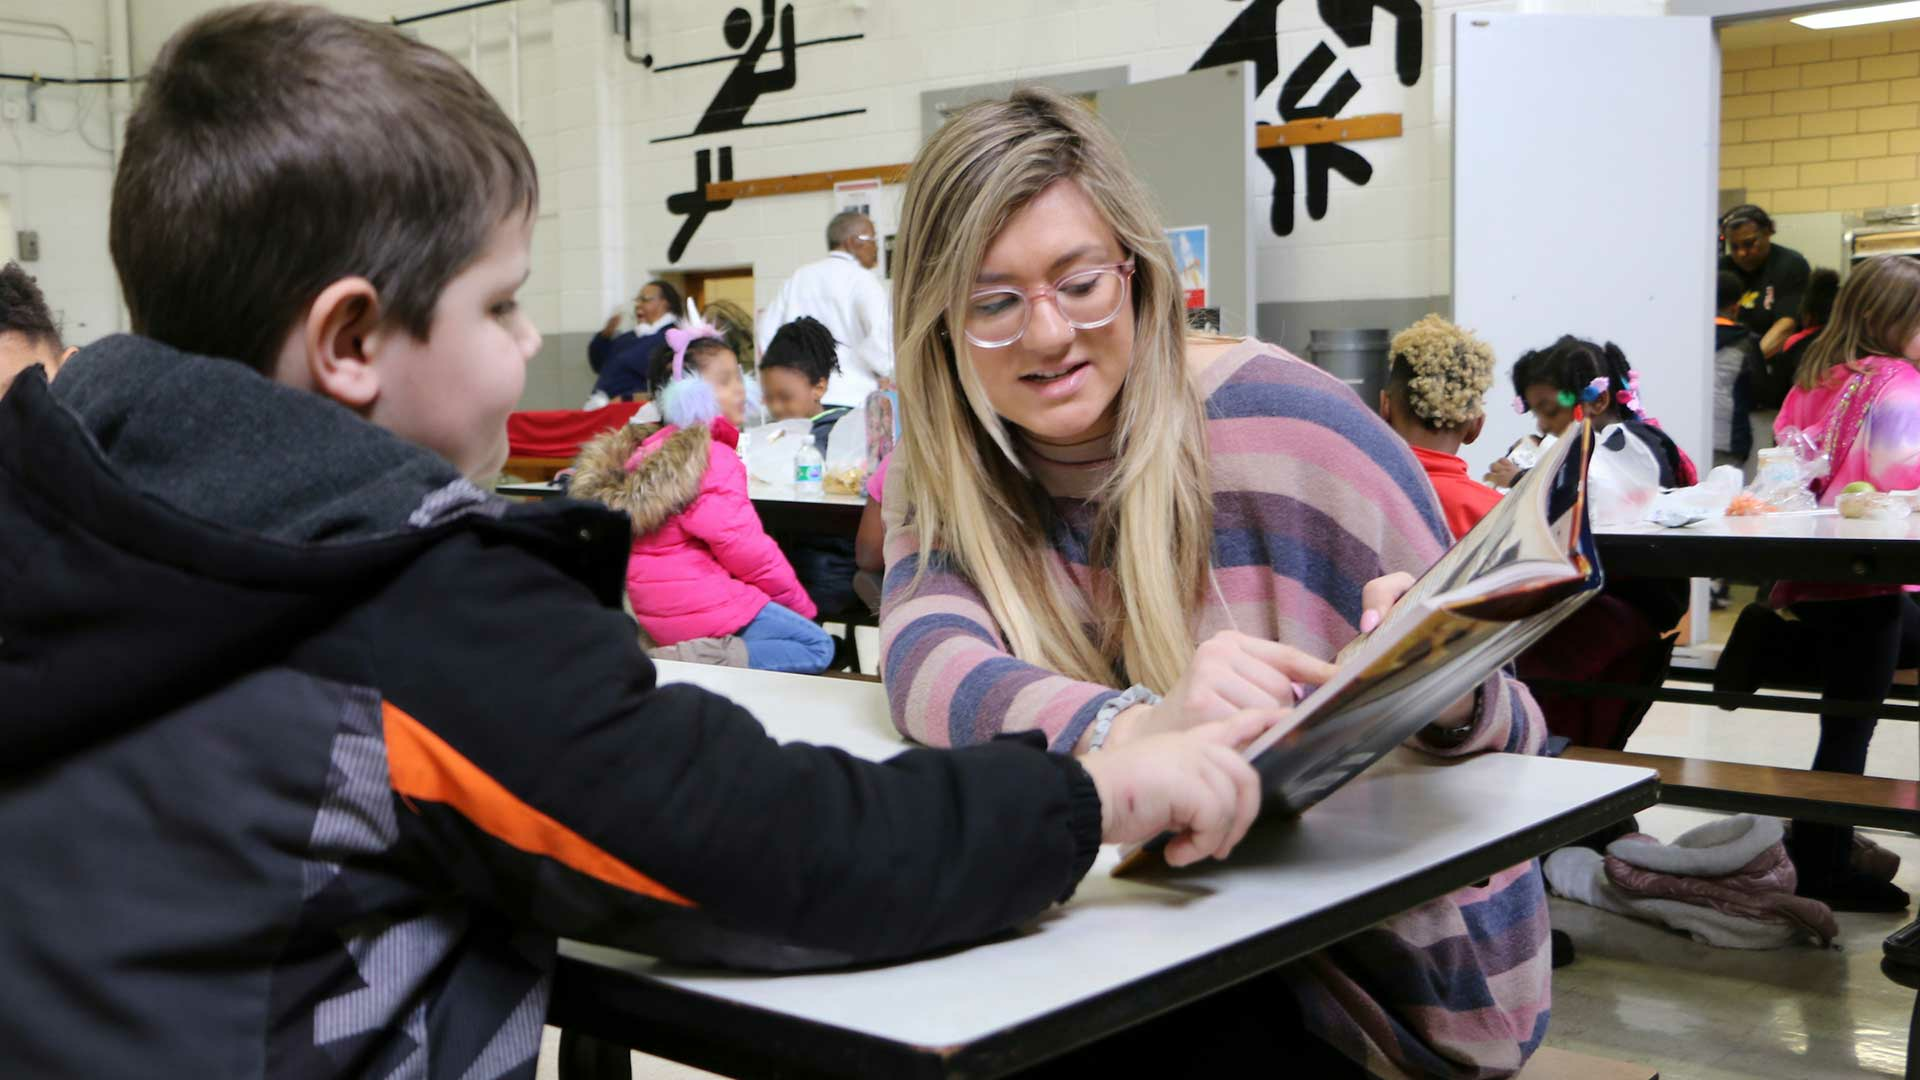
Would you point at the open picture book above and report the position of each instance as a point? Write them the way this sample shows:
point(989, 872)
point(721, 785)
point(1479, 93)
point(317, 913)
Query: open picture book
point(1527, 565)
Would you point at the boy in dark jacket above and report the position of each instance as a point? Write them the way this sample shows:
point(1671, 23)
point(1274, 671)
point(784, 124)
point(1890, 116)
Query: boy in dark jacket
point(311, 747)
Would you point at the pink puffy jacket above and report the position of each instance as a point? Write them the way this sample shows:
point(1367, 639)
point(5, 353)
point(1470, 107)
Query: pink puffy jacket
point(702, 566)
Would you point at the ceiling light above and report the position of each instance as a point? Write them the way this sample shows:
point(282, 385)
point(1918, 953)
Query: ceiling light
point(1859, 16)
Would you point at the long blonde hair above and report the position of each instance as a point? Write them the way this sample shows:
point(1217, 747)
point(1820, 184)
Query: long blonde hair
point(1876, 314)
point(969, 494)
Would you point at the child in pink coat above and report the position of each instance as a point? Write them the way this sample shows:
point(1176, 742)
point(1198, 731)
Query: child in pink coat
point(702, 566)
point(1857, 394)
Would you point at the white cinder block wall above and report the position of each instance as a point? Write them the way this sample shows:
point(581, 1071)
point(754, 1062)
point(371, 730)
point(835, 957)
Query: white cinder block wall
point(56, 153)
point(1379, 256)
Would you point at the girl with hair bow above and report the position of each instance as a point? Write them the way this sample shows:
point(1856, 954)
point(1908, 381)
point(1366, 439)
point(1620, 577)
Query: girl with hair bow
point(701, 565)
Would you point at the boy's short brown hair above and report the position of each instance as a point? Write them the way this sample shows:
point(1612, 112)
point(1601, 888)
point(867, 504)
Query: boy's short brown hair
point(278, 148)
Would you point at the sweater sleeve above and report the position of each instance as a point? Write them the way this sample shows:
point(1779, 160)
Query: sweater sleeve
point(565, 788)
point(597, 348)
point(951, 679)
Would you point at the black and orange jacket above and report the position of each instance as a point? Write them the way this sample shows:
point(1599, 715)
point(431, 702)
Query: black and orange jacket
point(310, 750)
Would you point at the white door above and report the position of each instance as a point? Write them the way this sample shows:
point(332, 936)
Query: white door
point(1584, 198)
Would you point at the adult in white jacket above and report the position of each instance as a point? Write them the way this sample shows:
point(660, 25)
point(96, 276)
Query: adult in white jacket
point(841, 291)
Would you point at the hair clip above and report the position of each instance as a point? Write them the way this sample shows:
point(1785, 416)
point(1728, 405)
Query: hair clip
point(1520, 405)
point(1592, 391)
point(1567, 400)
point(687, 399)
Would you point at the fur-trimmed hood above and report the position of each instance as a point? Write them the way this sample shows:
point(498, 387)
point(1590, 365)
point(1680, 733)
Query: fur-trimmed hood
point(664, 483)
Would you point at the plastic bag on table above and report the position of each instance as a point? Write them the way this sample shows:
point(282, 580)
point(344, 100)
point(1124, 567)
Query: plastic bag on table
point(1707, 499)
point(769, 450)
point(847, 455)
point(1622, 479)
point(1787, 477)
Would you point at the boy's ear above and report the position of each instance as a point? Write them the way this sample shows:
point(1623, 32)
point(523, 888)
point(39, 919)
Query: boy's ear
point(1386, 406)
point(336, 336)
point(1473, 429)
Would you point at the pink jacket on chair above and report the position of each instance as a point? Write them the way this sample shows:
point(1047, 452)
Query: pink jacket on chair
point(702, 565)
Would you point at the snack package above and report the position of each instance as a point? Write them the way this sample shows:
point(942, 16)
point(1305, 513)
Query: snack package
point(847, 455)
point(1786, 477)
point(883, 426)
point(1874, 505)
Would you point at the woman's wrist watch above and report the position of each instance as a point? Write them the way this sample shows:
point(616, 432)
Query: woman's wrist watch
point(1450, 735)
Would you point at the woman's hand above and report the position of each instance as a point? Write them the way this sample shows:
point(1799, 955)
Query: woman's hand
point(1502, 473)
point(1230, 672)
point(613, 325)
point(1193, 783)
point(1377, 599)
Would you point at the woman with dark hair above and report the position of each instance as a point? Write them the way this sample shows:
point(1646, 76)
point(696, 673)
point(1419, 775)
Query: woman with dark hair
point(621, 362)
point(1773, 277)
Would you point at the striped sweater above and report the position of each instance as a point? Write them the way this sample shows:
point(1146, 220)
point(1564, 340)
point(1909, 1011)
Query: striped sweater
point(1313, 497)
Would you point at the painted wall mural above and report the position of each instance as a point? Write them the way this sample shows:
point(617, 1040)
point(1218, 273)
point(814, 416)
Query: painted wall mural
point(742, 89)
point(1253, 35)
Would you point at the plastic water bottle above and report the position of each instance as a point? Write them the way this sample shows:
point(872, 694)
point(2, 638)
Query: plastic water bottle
point(809, 470)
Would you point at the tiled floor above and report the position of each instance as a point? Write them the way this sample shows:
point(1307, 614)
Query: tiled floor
point(1699, 1013)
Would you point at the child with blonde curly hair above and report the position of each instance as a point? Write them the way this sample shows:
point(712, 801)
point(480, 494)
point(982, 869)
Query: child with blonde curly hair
point(1437, 380)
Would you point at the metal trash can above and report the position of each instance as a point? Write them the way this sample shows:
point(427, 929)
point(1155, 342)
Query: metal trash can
point(1355, 357)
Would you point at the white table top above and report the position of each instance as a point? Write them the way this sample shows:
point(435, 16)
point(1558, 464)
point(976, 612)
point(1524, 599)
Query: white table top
point(760, 492)
point(756, 491)
point(1404, 816)
point(1811, 525)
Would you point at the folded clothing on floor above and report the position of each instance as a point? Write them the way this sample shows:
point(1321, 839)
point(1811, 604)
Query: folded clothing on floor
point(1728, 883)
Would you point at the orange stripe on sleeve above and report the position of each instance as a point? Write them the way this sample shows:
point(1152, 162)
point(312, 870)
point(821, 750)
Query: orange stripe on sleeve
point(420, 765)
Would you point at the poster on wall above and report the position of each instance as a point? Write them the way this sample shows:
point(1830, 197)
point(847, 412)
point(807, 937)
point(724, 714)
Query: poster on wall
point(860, 196)
point(1190, 262)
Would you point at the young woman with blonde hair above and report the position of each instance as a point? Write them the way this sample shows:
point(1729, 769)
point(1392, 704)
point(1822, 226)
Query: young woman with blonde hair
point(1101, 529)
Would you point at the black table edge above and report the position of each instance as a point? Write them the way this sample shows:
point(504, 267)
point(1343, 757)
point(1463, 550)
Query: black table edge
point(744, 1041)
point(1871, 560)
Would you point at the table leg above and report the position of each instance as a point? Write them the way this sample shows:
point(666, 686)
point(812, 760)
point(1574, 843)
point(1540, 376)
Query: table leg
point(583, 1057)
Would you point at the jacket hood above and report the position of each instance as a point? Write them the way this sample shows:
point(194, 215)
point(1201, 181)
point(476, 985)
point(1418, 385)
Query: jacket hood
point(1724, 335)
point(174, 522)
point(664, 482)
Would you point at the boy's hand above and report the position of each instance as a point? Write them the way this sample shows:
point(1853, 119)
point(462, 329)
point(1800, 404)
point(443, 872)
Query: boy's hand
point(1502, 473)
point(1193, 784)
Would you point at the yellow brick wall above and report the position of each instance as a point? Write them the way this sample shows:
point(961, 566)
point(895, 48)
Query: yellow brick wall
point(1829, 124)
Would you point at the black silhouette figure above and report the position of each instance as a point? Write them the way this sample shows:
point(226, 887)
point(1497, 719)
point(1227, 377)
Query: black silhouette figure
point(695, 204)
point(1302, 80)
point(745, 84)
point(1322, 158)
point(1352, 22)
point(1252, 35)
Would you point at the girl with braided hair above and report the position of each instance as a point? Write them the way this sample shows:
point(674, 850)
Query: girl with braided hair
point(793, 378)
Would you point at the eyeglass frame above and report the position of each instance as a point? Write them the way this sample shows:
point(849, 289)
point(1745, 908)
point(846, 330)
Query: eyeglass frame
point(1125, 268)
